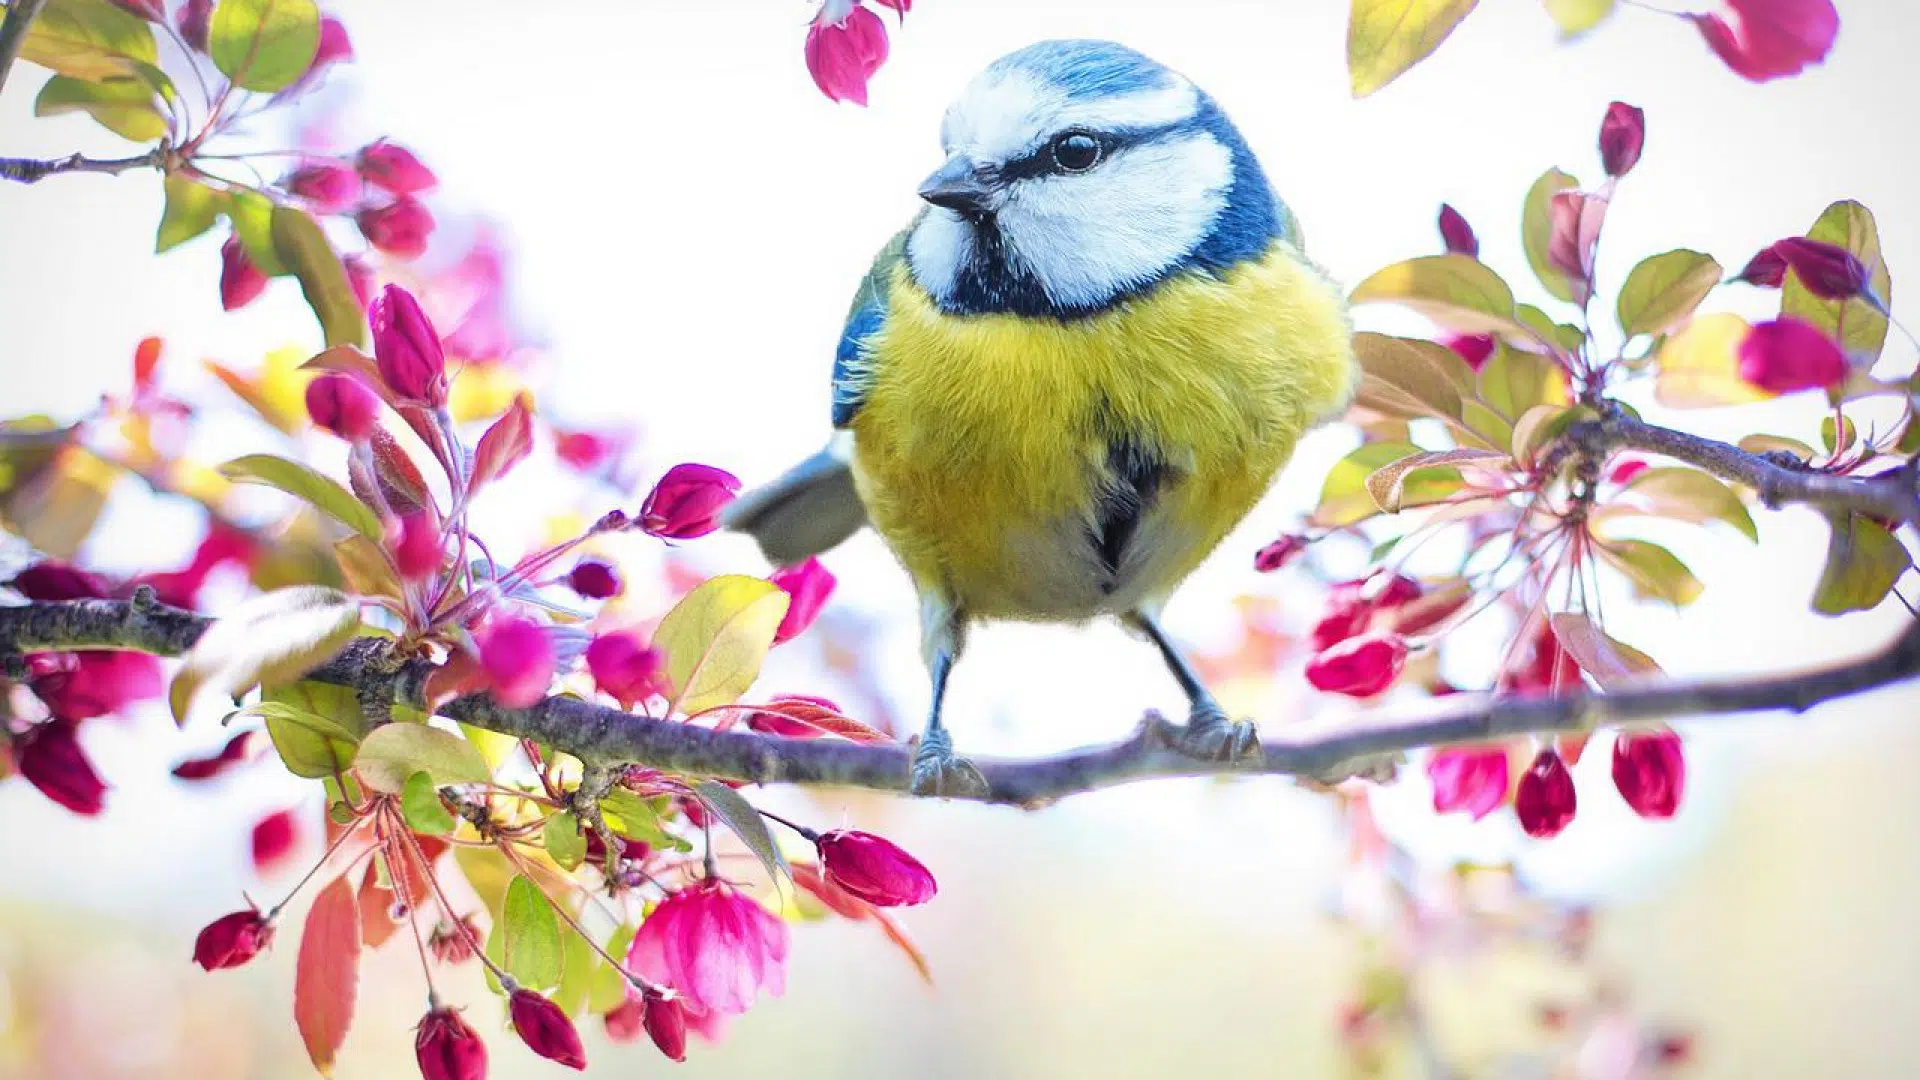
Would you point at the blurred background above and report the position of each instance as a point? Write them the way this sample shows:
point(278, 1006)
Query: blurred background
point(685, 217)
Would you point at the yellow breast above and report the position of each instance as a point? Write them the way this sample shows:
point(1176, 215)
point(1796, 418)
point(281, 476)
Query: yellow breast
point(983, 445)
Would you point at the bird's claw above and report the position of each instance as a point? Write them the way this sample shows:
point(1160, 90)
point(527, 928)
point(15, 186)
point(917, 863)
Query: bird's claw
point(1210, 735)
point(938, 771)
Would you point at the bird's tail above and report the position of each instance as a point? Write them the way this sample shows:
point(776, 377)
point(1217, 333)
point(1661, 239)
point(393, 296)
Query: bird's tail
point(805, 512)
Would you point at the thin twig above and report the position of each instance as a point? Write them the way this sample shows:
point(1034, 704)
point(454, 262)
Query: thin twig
point(34, 170)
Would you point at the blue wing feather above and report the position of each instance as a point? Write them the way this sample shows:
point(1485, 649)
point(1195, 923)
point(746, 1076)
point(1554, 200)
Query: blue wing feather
point(851, 371)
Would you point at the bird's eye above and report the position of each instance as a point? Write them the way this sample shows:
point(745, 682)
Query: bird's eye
point(1076, 152)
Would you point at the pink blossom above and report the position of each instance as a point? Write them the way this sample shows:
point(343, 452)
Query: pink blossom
point(1622, 133)
point(399, 229)
point(1770, 39)
point(327, 186)
point(1650, 771)
point(717, 948)
point(51, 759)
point(846, 44)
point(446, 1048)
point(274, 837)
point(80, 686)
point(394, 168)
point(874, 868)
point(407, 349)
point(1456, 233)
point(1767, 269)
point(241, 282)
point(1828, 271)
point(1788, 354)
point(234, 753)
point(341, 405)
point(1279, 553)
point(545, 1029)
point(1471, 779)
point(687, 501)
point(232, 940)
point(807, 586)
point(1544, 802)
point(517, 656)
point(1473, 348)
point(624, 666)
point(193, 20)
point(594, 579)
point(414, 543)
point(1360, 666)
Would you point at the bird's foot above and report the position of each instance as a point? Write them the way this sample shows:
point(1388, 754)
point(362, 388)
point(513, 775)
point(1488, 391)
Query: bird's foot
point(938, 771)
point(1210, 735)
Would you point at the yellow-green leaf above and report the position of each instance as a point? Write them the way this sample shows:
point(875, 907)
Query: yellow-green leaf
point(1767, 444)
point(365, 567)
point(635, 818)
point(1564, 336)
point(191, 209)
point(716, 637)
point(304, 250)
point(1409, 378)
point(315, 727)
point(1536, 231)
point(1387, 484)
point(580, 967)
point(1654, 572)
point(123, 104)
point(1690, 495)
point(1459, 292)
point(252, 217)
point(420, 805)
point(1537, 427)
point(487, 873)
point(530, 936)
point(1864, 561)
point(264, 45)
point(1345, 498)
point(1612, 663)
point(88, 39)
point(1514, 380)
point(392, 753)
point(1386, 37)
point(1700, 366)
point(609, 986)
point(1663, 290)
point(740, 816)
point(564, 841)
point(1576, 17)
point(323, 493)
point(1840, 440)
point(1860, 330)
point(272, 638)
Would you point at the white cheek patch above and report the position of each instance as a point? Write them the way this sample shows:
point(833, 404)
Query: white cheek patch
point(1089, 237)
point(940, 247)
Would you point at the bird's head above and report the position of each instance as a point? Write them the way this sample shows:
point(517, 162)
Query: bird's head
point(1078, 174)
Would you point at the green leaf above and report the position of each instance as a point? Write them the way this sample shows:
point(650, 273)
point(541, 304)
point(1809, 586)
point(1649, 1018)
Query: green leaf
point(1514, 380)
point(635, 818)
point(1863, 562)
point(303, 248)
point(270, 639)
point(123, 105)
point(1458, 292)
point(1387, 485)
point(580, 967)
point(531, 943)
point(1576, 17)
point(1693, 496)
point(315, 727)
point(1837, 442)
point(1612, 663)
point(1344, 497)
point(1567, 337)
point(252, 217)
point(1860, 330)
point(1409, 378)
point(740, 816)
point(564, 840)
point(1386, 37)
point(1540, 426)
point(392, 753)
point(1536, 231)
point(1485, 426)
point(716, 637)
point(191, 209)
point(1664, 290)
point(1654, 572)
point(264, 45)
point(609, 986)
point(488, 874)
point(88, 39)
point(420, 805)
point(1765, 444)
point(321, 492)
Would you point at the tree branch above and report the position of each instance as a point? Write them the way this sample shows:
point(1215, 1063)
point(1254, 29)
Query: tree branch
point(20, 15)
point(1321, 749)
point(1778, 479)
point(33, 170)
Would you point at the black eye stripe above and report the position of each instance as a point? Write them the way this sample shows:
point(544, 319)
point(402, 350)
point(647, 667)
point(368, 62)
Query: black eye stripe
point(1039, 161)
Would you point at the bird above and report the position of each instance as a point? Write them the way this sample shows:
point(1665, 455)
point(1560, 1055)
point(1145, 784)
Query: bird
point(1079, 366)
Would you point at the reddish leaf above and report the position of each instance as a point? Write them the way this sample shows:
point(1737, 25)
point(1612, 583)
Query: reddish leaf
point(376, 907)
point(328, 975)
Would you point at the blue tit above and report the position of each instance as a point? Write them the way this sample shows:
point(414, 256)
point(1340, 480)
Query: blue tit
point(1073, 373)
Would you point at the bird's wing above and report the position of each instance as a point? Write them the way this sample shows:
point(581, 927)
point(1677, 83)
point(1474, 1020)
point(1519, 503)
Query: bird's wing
point(851, 372)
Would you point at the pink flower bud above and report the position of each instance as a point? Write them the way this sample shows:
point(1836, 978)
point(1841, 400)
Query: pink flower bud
point(1622, 133)
point(1473, 348)
point(1650, 770)
point(1544, 801)
point(193, 20)
point(274, 838)
point(341, 405)
point(232, 940)
point(517, 656)
point(1456, 233)
point(327, 186)
point(241, 282)
point(687, 501)
point(1827, 270)
point(1766, 269)
point(399, 229)
point(415, 546)
point(452, 945)
point(807, 587)
point(1770, 39)
point(334, 48)
point(506, 443)
point(1471, 779)
point(545, 1029)
point(1626, 468)
point(360, 279)
point(594, 579)
point(624, 667)
point(874, 869)
point(394, 168)
point(234, 753)
point(447, 1049)
point(51, 759)
point(407, 349)
point(1359, 667)
point(1787, 354)
point(666, 1023)
point(1279, 553)
point(845, 46)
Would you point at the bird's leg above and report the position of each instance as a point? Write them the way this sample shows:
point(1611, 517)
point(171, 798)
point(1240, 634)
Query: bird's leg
point(937, 770)
point(1209, 735)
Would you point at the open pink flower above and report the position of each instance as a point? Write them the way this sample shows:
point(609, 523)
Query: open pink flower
point(807, 587)
point(846, 44)
point(1468, 778)
point(717, 948)
point(1788, 354)
point(517, 656)
point(1770, 39)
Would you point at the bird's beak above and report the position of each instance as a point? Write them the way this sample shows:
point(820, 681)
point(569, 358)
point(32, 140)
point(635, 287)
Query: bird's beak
point(957, 187)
